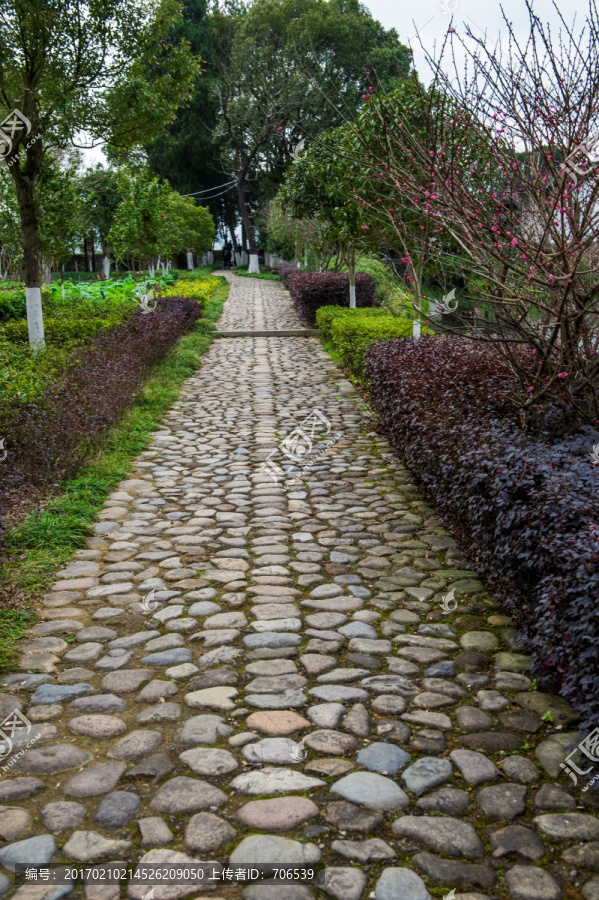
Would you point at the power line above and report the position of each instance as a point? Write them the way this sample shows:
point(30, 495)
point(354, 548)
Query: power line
point(215, 188)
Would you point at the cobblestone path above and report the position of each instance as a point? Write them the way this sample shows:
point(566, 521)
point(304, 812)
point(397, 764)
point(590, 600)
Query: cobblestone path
point(242, 670)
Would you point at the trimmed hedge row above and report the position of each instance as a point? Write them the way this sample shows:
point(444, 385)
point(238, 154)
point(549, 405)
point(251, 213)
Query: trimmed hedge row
point(311, 290)
point(49, 438)
point(527, 509)
point(286, 269)
point(351, 332)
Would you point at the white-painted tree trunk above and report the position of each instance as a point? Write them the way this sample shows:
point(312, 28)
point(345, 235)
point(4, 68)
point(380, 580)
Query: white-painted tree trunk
point(210, 258)
point(35, 318)
point(189, 260)
point(152, 271)
point(106, 267)
point(90, 265)
point(416, 327)
point(267, 259)
point(254, 265)
point(352, 296)
point(238, 258)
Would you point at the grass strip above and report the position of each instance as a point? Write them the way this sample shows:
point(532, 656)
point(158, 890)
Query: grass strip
point(45, 540)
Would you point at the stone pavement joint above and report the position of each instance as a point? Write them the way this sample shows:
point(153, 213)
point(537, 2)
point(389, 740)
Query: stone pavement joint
point(244, 669)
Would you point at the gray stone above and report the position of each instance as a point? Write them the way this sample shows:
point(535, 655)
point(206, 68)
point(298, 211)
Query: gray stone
point(202, 730)
point(274, 781)
point(205, 761)
point(97, 726)
point(40, 849)
point(276, 750)
point(98, 779)
point(339, 693)
point(284, 700)
point(449, 836)
point(159, 713)
point(517, 839)
point(14, 823)
point(19, 788)
point(384, 758)
point(520, 768)
point(502, 801)
point(136, 744)
point(268, 848)
point(449, 801)
point(426, 773)
point(372, 791)
point(154, 831)
point(62, 815)
point(400, 884)
point(531, 883)
point(206, 833)
point(326, 715)
point(569, 826)
point(57, 758)
point(364, 851)
point(552, 797)
point(87, 845)
point(116, 809)
point(344, 883)
point(182, 794)
point(57, 693)
point(168, 657)
point(278, 814)
point(474, 767)
point(98, 703)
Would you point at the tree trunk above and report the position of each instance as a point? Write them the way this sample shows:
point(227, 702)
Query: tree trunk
point(106, 266)
point(31, 261)
point(247, 229)
point(93, 251)
point(351, 271)
point(85, 254)
point(189, 259)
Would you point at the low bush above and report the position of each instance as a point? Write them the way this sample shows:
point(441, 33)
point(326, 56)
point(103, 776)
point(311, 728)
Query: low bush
point(311, 290)
point(48, 436)
point(59, 332)
point(525, 503)
point(351, 336)
point(12, 301)
point(326, 315)
point(285, 270)
point(200, 289)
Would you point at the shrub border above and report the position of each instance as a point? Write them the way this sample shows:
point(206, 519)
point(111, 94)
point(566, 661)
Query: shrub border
point(45, 540)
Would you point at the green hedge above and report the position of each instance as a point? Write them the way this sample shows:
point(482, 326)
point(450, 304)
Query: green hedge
point(326, 315)
point(350, 333)
point(58, 331)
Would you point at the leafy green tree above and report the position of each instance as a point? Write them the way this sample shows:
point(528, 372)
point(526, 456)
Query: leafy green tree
point(137, 232)
point(324, 185)
point(98, 188)
point(185, 226)
point(276, 65)
point(104, 68)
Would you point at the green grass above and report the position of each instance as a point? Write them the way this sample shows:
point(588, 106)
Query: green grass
point(266, 276)
point(13, 626)
point(46, 539)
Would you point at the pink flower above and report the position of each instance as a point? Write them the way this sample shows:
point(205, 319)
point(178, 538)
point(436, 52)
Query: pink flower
point(562, 374)
point(528, 390)
point(371, 90)
point(514, 242)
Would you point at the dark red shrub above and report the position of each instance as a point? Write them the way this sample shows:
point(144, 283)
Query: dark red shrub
point(526, 507)
point(285, 269)
point(311, 290)
point(48, 440)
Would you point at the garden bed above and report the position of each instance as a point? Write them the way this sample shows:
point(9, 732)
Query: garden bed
point(525, 503)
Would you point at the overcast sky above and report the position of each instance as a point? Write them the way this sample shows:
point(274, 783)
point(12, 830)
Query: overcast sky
point(430, 19)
